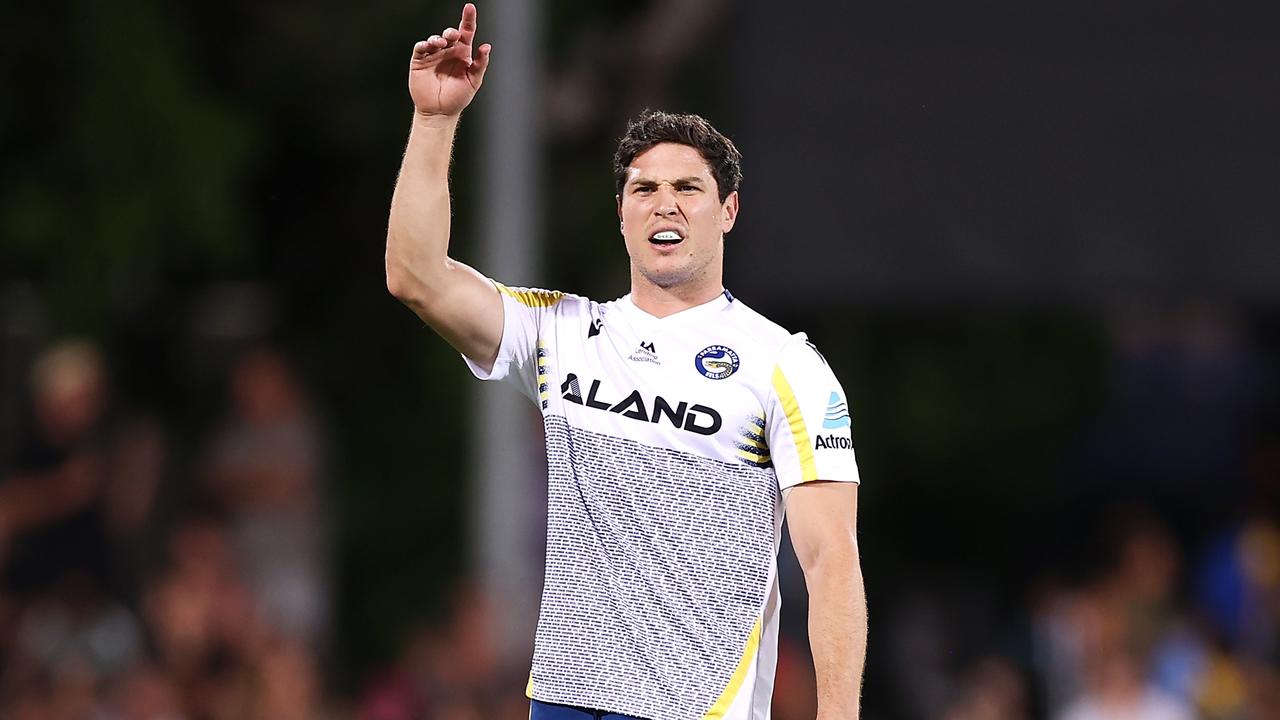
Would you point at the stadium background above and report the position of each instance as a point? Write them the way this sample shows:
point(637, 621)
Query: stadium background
point(1039, 245)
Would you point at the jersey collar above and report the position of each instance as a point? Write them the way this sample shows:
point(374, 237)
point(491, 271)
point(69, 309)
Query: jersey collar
point(712, 306)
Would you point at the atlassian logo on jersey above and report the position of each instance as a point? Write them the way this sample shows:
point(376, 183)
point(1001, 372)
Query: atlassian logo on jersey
point(716, 362)
point(695, 418)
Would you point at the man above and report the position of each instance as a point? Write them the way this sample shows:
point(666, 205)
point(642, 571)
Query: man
point(679, 424)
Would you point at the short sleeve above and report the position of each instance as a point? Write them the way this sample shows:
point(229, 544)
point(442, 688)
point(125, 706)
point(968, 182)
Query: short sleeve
point(807, 421)
point(525, 311)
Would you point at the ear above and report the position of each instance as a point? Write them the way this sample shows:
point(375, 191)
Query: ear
point(729, 212)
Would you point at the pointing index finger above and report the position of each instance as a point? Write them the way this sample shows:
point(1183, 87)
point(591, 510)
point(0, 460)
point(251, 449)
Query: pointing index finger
point(467, 27)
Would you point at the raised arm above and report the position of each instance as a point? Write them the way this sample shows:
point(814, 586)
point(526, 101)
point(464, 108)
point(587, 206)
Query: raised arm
point(459, 303)
point(823, 521)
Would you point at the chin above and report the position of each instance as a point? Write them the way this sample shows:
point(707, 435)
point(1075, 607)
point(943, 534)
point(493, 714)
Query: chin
point(667, 278)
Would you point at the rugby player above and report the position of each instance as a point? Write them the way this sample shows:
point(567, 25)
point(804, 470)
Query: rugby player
point(680, 425)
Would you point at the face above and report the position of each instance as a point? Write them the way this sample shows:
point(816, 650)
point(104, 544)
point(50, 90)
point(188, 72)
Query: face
point(672, 219)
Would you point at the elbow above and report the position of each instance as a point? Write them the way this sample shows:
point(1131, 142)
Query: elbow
point(403, 284)
point(412, 288)
point(405, 287)
point(398, 285)
point(412, 279)
point(408, 290)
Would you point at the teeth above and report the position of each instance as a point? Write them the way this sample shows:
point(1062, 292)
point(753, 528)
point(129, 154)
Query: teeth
point(667, 235)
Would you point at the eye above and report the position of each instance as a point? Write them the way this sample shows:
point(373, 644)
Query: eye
point(642, 189)
point(686, 188)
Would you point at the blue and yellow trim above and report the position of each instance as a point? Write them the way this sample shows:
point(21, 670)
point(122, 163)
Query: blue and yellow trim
point(751, 445)
point(799, 433)
point(543, 388)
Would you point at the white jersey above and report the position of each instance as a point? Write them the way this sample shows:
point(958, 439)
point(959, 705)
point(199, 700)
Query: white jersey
point(669, 441)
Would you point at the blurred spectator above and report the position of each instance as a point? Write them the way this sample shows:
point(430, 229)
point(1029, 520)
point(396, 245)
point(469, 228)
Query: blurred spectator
point(198, 609)
point(81, 488)
point(1116, 690)
point(216, 655)
point(1238, 584)
point(1237, 590)
point(72, 510)
point(1141, 588)
point(266, 469)
point(51, 519)
point(1123, 640)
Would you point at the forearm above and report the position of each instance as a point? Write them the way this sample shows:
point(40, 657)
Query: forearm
point(419, 225)
point(838, 635)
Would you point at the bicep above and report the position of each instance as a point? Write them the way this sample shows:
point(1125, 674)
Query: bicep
point(822, 518)
point(465, 308)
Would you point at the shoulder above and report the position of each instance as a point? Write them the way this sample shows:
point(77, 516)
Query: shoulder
point(773, 340)
point(792, 357)
point(769, 335)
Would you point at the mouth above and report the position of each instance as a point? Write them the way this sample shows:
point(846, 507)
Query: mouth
point(666, 238)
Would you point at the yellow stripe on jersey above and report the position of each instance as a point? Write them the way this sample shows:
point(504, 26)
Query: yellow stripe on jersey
point(531, 298)
point(528, 689)
point(804, 451)
point(721, 708)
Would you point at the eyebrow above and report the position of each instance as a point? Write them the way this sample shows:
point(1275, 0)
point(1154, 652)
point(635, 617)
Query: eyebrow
point(689, 180)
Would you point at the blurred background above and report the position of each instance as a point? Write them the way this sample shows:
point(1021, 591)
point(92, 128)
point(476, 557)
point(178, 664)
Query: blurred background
point(1038, 242)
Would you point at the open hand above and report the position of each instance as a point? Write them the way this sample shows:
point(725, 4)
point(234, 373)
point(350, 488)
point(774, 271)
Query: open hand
point(444, 72)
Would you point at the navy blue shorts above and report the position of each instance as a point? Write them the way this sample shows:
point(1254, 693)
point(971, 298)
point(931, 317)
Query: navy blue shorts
point(547, 711)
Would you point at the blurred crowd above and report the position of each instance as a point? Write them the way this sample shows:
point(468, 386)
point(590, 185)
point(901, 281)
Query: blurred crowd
point(1145, 638)
point(126, 595)
point(138, 585)
point(1158, 595)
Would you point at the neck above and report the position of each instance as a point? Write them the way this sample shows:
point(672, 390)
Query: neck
point(661, 302)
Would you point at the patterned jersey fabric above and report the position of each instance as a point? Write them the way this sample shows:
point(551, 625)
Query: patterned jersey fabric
point(669, 443)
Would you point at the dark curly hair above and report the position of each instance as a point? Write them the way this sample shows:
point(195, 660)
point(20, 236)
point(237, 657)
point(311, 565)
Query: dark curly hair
point(654, 127)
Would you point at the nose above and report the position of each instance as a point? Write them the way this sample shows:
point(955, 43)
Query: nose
point(665, 205)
